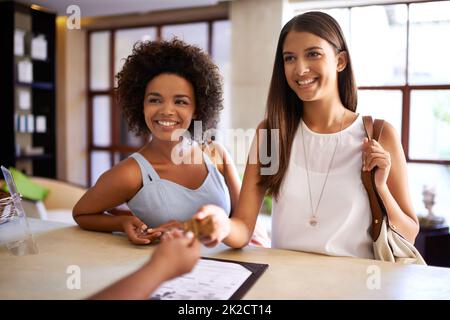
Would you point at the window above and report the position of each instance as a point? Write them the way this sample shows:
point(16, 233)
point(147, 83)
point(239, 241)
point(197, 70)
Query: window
point(109, 138)
point(101, 115)
point(99, 58)
point(382, 60)
point(403, 76)
point(124, 41)
point(427, 56)
point(221, 53)
point(192, 33)
point(429, 128)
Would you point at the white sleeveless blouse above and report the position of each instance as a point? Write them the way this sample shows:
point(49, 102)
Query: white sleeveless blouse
point(343, 215)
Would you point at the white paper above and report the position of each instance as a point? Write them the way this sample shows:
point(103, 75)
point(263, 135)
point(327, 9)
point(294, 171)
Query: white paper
point(39, 48)
point(24, 99)
point(41, 124)
point(209, 280)
point(19, 43)
point(25, 71)
point(30, 123)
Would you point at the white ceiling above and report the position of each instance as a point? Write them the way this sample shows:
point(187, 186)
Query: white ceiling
point(90, 8)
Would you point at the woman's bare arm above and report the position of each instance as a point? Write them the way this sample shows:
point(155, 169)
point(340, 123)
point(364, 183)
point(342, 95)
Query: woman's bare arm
point(238, 230)
point(114, 187)
point(395, 191)
point(176, 255)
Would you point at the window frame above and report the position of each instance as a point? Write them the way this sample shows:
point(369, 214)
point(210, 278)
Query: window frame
point(116, 147)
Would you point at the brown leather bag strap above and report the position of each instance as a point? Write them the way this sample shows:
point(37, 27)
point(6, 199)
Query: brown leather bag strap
point(378, 126)
point(368, 126)
point(373, 131)
point(373, 128)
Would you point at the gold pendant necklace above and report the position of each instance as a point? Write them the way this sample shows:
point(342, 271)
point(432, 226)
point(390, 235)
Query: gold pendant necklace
point(313, 221)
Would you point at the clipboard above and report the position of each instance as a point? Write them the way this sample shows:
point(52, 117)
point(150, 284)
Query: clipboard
point(257, 270)
point(212, 279)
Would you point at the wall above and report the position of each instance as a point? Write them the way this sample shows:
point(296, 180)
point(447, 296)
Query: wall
point(71, 103)
point(255, 27)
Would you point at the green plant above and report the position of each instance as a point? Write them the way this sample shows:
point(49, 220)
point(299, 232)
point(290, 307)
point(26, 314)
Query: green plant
point(441, 110)
point(267, 201)
point(268, 204)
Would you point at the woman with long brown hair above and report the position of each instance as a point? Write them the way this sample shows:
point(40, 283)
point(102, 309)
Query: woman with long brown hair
point(320, 204)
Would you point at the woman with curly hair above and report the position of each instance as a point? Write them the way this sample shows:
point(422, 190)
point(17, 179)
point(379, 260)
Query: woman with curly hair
point(163, 87)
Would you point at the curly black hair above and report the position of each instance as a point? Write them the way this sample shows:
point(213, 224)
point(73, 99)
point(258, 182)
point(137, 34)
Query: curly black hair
point(152, 58)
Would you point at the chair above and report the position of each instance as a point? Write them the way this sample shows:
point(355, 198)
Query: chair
point(60, 200)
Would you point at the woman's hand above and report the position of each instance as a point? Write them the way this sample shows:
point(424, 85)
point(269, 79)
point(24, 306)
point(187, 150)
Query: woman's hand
point(136, 230)
point(221, 224)
point(374, 155)
point(159, 231)
point(177, 254)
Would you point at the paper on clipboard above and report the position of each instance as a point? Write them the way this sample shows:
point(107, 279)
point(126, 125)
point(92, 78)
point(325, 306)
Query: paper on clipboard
point(209, 280)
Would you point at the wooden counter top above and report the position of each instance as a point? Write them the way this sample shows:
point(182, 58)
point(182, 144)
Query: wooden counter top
point(105, 258)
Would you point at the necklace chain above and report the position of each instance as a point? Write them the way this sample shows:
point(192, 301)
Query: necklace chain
point(313, 220)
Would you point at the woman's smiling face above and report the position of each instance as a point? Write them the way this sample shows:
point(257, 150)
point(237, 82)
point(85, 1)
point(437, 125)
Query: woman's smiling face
point(311, 65)
point(169, 104)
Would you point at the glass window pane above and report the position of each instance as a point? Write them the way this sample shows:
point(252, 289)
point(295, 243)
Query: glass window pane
point(125, 40)
point(431, 175)
point(128, 138)
point(101, 121)
point(192, 33)
point(99, 60)
point(100, 162)
point(221, 42)
point(221, 53)
point(119, 156)
point(430, 125)
point(342, 16)
point(379, 44)
point(429, 47)
point(382, 104)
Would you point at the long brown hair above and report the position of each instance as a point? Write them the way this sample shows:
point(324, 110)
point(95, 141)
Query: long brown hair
point(284, 108)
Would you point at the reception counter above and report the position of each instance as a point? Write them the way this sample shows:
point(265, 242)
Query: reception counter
point(103, 258)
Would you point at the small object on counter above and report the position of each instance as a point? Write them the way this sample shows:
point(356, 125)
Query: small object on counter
point(193, 227)
point(430, 220)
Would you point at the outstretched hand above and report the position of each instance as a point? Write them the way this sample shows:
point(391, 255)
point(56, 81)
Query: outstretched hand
point(136, 231)
point(177, 253)
point(220, 221)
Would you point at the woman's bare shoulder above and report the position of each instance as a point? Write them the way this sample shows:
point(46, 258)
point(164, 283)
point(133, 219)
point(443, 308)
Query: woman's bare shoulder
point(126, 175)
point(389, 138)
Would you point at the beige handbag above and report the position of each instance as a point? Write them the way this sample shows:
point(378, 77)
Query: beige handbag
point(388, 245)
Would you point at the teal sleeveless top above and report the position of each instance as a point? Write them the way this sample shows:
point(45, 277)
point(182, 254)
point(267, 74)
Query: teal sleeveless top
point(160, 200)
